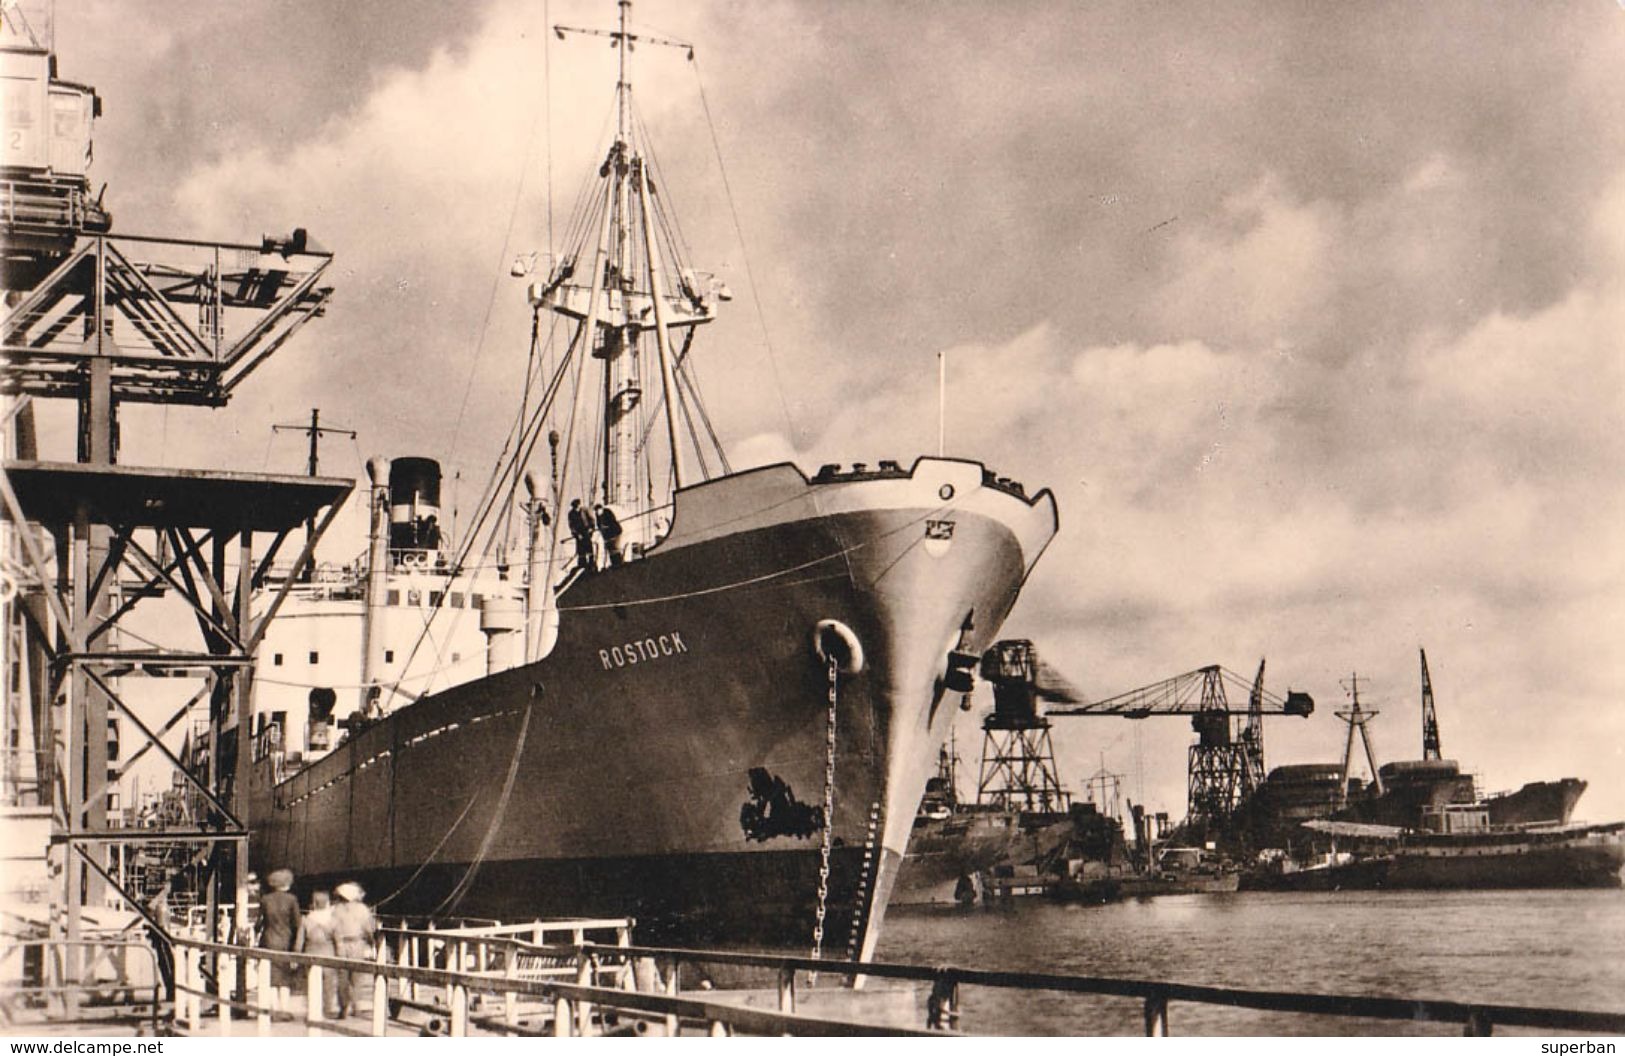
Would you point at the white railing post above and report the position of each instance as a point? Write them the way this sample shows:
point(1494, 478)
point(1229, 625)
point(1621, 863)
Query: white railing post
point(459, 1011)
point(413, 945)
point(266, 993)
point(510, 999)
point(454, 963)
point(194, 982)
point(380, 997)
point(225, 972)
point(561, 1017)
point(673, 1027)
point(183, 982)
point(787, 989)
point(583, 978)
point(314, 998)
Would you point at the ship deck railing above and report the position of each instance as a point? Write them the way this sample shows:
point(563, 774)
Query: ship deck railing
point(483, 981)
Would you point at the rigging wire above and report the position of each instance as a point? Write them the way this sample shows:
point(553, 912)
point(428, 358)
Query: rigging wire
point(431, 856)
point(496, 282)
point(739, 233)
point(456, 894)
point(526, 444)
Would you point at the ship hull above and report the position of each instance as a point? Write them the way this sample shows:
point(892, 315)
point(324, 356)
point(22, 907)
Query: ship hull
point(667, 760)
point(1537, 803)
point(1587, 858)
point(1573, 858)
point(944, 855)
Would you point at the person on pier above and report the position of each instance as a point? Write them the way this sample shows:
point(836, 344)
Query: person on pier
point(317, 938)
point(279, 930)
point(354, 932)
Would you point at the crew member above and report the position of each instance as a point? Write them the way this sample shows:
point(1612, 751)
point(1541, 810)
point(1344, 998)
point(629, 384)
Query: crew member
point(609, 526)
point(581, 525)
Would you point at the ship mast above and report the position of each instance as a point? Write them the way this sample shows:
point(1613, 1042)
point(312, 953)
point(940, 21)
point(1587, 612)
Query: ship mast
point(645, 289)
point(1357, 719)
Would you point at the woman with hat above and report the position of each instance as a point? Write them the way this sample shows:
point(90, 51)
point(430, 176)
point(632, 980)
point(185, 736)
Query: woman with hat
point(279, 930)
point(316, 937)
point(354, 931)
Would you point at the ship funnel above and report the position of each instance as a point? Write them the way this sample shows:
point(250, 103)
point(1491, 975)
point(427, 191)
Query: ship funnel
point(414, 505)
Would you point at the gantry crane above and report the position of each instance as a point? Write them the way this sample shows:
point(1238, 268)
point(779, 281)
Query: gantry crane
point(1226, 764)
point(1018, 769)
point(1224, 768)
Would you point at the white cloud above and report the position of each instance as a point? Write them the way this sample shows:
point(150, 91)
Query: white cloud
point(1258, 273)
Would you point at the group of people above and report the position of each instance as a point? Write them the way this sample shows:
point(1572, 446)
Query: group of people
point(583, 522)
point(336, 925)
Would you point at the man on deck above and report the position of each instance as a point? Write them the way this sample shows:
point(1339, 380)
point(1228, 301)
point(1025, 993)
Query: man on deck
point(581, 525)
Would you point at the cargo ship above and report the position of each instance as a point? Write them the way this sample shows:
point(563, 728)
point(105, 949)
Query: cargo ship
point(1403, 794)
point(954, 844)
point(715, 712)
point(1457, 848)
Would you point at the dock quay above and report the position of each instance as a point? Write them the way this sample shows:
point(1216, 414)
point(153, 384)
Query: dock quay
point(586, 978)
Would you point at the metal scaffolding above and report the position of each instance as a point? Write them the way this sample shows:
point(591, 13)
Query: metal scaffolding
point(105, 542)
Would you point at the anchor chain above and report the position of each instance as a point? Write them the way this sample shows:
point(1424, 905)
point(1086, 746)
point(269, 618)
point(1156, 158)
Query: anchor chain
point(829, 807)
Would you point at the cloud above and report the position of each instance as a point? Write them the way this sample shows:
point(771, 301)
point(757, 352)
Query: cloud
point(1311, 317)
point(1258, 274)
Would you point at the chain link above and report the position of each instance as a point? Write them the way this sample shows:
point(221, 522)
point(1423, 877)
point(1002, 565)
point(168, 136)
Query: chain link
point(829, 808)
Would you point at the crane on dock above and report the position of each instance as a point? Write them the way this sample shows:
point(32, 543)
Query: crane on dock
point(1430, 719)
point(1225, 765)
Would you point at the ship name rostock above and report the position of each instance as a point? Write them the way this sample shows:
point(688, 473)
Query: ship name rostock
point(642, 651)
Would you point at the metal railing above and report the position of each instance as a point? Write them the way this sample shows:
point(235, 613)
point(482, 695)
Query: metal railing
point(89, 978)
point(584, 988)
point(491, 966)
point(942, 1009)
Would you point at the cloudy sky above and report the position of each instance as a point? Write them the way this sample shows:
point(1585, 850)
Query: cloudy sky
point(1313, 316)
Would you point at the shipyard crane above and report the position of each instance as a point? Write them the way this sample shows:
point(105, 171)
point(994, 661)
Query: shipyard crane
point(1018, 769)
point(1018, 759)
point(1223, 767)
point(1430, 719)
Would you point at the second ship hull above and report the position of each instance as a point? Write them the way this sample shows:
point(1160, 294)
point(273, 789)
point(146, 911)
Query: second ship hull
point(668, 759)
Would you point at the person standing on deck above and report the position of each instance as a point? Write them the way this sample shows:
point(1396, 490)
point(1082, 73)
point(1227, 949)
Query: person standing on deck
point(316, 937)
point(609, 526)
point(581, 526)
point(354, 930)
point(279, 930)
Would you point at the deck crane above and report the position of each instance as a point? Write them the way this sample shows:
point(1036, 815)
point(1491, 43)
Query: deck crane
point(1224, 766)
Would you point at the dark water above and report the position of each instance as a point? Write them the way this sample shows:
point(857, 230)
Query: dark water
point(1563, 949)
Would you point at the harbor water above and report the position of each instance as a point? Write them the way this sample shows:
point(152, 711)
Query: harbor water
point(1553, 948)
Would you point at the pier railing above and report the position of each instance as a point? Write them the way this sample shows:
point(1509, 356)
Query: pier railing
point(943, 1006)
point(237, 980)
point(482, 977)
point(73, 980)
